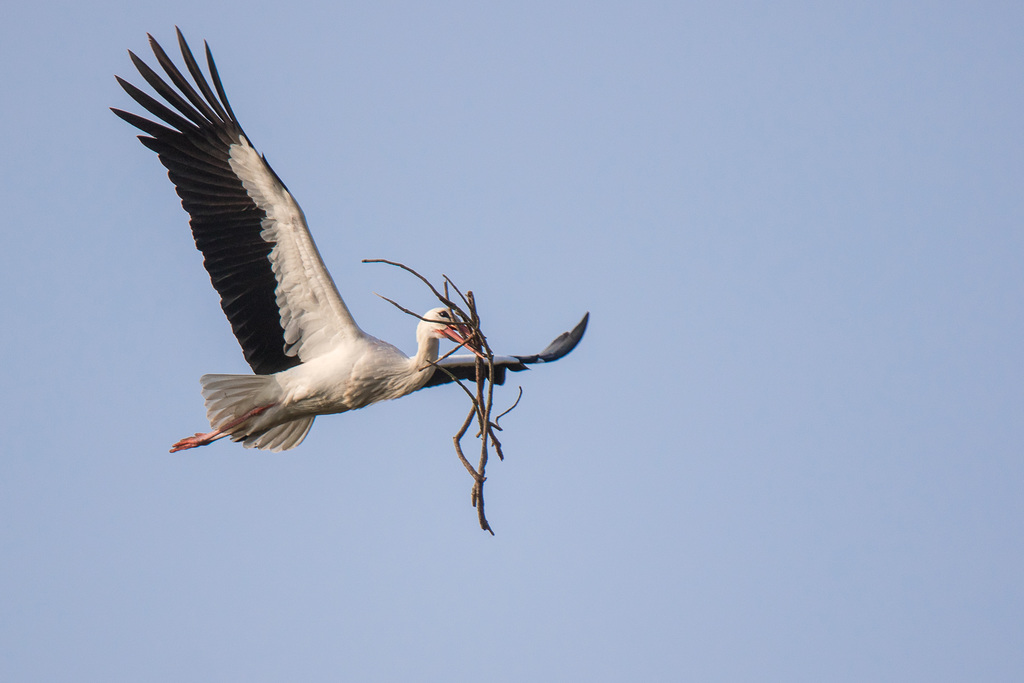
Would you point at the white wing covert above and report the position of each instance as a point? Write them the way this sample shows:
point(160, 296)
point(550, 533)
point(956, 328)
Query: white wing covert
point(313, 316)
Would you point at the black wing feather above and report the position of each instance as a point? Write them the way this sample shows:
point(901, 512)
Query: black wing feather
point(466, 373)
point(193, 142)
point(562, 345)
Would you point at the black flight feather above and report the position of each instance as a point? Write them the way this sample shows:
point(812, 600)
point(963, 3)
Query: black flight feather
point(193, 142)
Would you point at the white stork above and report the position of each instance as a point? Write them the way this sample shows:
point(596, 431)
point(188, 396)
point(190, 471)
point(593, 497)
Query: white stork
point(309, 356)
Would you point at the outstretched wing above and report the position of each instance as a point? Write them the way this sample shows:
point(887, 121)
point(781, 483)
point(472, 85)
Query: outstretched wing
point(463, 366)
point(275, 291)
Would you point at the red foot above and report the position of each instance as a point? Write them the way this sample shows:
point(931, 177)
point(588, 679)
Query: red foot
point(199, 439)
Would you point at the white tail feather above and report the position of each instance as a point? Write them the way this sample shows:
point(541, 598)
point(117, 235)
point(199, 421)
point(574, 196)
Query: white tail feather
point(230, 397)
point(281, 438)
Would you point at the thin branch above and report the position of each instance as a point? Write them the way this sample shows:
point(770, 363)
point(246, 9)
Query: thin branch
point(510, 409)
point(408, 270)
point(448, 281)
point(458, 447)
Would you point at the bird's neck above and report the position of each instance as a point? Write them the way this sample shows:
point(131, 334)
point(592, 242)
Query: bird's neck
point(426, 353)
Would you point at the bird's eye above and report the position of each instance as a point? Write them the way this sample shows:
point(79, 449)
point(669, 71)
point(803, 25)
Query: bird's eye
point(443, 314)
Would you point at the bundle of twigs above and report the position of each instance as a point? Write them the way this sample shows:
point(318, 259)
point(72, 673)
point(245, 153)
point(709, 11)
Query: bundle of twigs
point(481, 396)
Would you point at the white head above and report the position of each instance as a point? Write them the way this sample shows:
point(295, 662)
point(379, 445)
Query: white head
point(439, 323)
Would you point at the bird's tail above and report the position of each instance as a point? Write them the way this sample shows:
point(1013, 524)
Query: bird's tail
point(234, 404)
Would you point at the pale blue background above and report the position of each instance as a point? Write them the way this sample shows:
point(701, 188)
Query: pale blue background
point(789, 448)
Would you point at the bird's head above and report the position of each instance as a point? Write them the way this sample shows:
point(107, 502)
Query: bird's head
point(439, 323)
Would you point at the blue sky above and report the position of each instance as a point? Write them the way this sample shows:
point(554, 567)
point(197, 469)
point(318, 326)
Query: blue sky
point(789, 447)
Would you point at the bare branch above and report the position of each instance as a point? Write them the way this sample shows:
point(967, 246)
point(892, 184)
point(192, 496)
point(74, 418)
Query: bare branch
point(458, 447)
point(510, 409)
point(448, 281)
point(409, 270)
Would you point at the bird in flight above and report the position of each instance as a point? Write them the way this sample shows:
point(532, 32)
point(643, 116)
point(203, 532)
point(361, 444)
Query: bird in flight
point(309, 356)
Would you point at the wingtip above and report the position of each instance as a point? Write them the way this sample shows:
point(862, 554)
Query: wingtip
point(576, 333)
point(582, 324)
point(561, 346)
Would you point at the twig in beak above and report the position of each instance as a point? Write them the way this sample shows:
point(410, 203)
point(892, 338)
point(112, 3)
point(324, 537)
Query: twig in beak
point(461, 335)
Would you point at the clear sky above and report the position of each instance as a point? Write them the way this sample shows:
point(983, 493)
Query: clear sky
point(788, 449)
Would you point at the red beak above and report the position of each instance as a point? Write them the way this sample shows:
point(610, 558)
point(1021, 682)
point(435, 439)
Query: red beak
point(459, 334)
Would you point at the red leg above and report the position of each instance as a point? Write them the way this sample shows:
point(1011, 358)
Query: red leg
point(201, 439)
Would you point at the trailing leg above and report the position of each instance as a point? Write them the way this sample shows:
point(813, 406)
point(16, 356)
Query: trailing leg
point(201, 439)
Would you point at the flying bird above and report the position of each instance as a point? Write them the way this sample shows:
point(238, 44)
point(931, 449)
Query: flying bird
point(309, 356)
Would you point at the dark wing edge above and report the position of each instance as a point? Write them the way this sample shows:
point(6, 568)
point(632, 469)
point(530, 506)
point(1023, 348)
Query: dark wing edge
point(559, 348)
point(193, 141)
